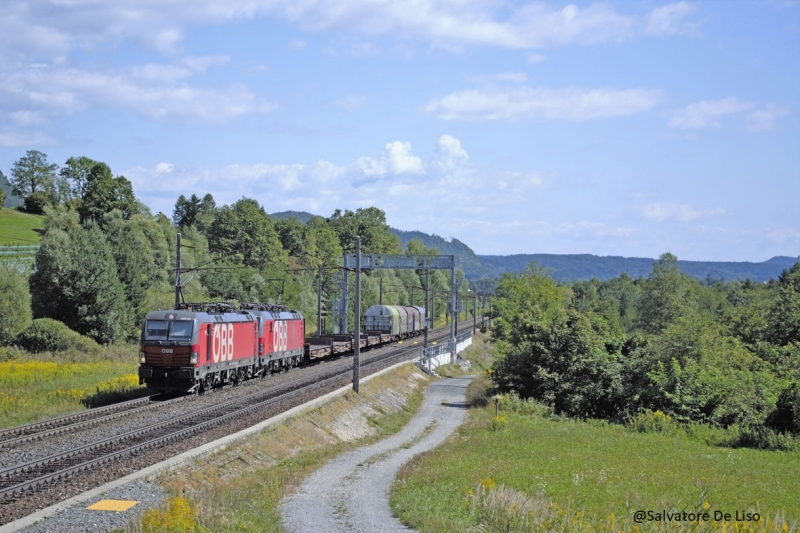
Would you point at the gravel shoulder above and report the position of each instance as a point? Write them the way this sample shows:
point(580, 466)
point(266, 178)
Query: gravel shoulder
point(351, 493)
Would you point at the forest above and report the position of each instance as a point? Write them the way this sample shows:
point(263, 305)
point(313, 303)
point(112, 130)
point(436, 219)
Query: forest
point(105, 260)
point(665, 349)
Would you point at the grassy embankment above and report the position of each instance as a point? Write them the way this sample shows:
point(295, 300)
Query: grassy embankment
point(18, 228)
point(34, 387)
point(240, 487)
point(527, 470)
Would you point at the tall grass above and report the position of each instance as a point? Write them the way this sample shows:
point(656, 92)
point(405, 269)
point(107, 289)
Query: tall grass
point(34, 387)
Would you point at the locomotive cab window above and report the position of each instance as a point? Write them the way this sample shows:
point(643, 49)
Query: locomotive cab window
point(181, 330)
point(156, 330)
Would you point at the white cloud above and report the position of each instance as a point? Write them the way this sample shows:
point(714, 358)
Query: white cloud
point(449, 154)
point(764, 119)
point(395, 160)
point(706, 113)
point(784, 234)
point(155, 91)
point(667, 20)
point(53, 28)
point(550, 104)
point(512, 77)
point(14, 139)
point(680, 212)
point(164, 168)
point(392, 181)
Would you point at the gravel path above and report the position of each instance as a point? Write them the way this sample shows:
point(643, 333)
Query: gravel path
point(351, 493)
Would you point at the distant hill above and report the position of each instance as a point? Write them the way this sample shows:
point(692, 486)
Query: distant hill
point(11, 200)
point(465, 257)
point(586, 266)
point(576, 267)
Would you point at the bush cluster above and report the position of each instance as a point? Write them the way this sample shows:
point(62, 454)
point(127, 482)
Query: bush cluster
point(677, 352)
point(48, 335)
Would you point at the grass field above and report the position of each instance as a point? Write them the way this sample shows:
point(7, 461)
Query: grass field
point(46, 385)
point(535, 472)
point(17, 228)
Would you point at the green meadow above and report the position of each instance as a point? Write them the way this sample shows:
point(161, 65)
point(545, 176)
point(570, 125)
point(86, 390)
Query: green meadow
point(527, 470)
point(18, 228)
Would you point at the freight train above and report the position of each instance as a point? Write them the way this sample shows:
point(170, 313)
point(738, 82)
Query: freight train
point(201, 346)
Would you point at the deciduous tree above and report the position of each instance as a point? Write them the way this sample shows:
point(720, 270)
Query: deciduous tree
point(33, 173)
point(244, 234)
point(15, 303)
point(76, 282)
point(104, 193)
point(666, 296)
point(76, 171)
point(784, 317)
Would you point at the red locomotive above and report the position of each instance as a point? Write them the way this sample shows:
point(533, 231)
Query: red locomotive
point(200, 346)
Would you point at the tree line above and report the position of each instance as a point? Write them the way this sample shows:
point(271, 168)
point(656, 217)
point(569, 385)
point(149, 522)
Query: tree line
point(105, 260)
point(725, 354)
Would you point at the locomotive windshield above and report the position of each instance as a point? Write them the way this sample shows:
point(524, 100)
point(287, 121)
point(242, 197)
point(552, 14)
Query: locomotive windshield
point(181, 330)
point(156, 330)
point(161, 330)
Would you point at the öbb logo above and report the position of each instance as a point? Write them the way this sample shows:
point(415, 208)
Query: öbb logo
point(222, 343)
point(280, 336)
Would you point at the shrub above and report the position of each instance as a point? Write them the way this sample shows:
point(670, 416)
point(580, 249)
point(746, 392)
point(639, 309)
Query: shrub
point(764, 438)
point(36, 202)
point(512, 402)
point(48, 335)
point(175, 516)
point(498, 423)
point(786, 416)
point(654, 422)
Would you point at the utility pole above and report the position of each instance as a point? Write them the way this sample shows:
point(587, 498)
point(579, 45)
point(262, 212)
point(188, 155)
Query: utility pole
point(380, 297)
point(357, 336)
point(427, 304)
point(474, 312)
point(456, 314)
point(412, 295)
point(319, 300)
point(178, 276)
point(452, 310)
point(344, 300)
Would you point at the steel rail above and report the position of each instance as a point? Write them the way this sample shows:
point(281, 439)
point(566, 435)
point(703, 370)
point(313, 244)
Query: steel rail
point(80, 425)
point(66, 420)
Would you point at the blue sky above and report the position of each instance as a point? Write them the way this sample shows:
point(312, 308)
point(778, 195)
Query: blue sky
point(614, 128)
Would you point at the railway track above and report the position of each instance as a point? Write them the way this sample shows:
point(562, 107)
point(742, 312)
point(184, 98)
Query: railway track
point(79, 421)
point(26, 480)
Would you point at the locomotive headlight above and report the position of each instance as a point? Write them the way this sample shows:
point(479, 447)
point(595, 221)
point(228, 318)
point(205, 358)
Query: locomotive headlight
point(193, 359)
point(142, 358)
